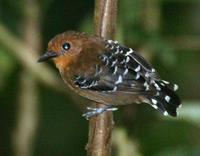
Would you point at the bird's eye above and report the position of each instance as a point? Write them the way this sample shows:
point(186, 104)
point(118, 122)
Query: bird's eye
point(66, 46)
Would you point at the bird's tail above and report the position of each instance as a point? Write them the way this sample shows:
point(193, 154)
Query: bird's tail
point(165, 100)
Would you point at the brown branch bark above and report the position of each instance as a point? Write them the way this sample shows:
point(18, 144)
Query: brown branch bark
point(105, 18)
point(100, 127)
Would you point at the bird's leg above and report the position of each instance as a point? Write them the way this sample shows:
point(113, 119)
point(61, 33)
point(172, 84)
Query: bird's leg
point(96, 111)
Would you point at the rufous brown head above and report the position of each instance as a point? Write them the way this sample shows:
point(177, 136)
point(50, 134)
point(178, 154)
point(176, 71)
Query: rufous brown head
point(64, 48)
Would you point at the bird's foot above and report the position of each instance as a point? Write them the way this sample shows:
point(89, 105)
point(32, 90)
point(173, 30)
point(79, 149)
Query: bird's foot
point(96, 111)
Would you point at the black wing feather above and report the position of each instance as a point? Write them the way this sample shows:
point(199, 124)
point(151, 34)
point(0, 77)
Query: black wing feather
point(119, 71)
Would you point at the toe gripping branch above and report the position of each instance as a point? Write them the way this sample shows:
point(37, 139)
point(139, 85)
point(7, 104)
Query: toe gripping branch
point(96, 111)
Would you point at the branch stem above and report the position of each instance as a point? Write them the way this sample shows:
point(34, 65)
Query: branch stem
point(100, 127)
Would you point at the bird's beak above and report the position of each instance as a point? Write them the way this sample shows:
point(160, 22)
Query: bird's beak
point(47, 55)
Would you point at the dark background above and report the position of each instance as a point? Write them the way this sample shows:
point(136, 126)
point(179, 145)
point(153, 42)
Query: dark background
point(38, 119)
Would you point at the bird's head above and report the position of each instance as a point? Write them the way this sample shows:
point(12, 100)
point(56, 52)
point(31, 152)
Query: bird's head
point(64, 48)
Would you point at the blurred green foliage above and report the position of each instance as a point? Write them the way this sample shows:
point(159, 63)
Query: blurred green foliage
point(168, 34)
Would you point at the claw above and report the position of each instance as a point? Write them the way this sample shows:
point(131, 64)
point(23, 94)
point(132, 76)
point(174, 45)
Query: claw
point(96, 111)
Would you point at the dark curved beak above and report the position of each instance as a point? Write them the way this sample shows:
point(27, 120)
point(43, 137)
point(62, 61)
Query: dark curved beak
point(47, 55)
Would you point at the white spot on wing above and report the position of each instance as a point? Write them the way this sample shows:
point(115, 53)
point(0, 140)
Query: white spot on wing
point(166, 82)
point(147, 74)
point(126, 71)
point(117, 50)
point(157, 87)
point(165, 113)
point(110, 41)
point(129, 52)
point(115, 71)
point(107, 62)
point(137, 69)
point(137, 76)
point(119, 80)
point(114, 89)
point(146, 86)
point(113, 63)
point(127, 59)
point(167, 98)
point(175, 87)
point(154, 101)
point(155, 106)
point(122, 61)
point(83, 81)
point(132, 85)
point(162, 84)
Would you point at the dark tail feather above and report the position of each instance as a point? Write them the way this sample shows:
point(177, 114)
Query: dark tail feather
point(165, 100)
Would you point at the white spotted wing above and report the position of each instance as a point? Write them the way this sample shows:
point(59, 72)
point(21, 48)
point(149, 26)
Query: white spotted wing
point(120, 69)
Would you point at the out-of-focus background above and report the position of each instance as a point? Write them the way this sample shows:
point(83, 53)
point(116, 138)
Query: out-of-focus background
point(40, 117)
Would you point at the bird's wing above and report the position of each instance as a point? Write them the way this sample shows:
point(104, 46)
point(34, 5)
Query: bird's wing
point(119, 69)
point(122, 70)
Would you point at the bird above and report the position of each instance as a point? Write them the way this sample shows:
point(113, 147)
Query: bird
point(110, 73)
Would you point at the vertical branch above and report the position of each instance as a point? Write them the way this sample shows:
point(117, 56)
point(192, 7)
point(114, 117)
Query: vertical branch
point(105, 18)
point(100, 127)
point(27, 115)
